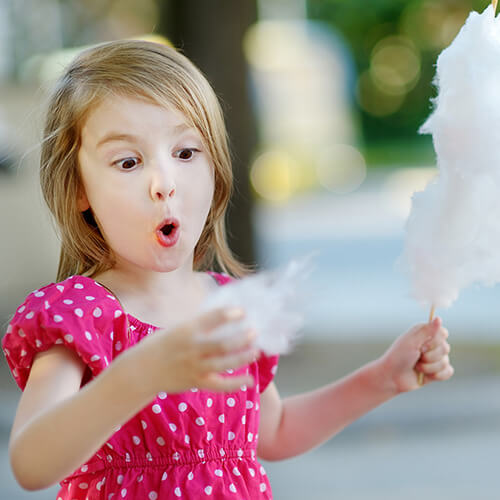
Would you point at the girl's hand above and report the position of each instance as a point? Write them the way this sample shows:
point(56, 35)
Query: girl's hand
point(191, 355)
point(422, 349)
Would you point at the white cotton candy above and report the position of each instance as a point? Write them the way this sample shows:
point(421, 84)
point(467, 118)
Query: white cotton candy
point(453, 231)
point(273, 303)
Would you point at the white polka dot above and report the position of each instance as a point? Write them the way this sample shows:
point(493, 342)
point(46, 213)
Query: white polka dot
point(190, 476)
point(83, 486)
point(187, 439)
point(149, 456)
point(109, 445)
point(243, 388)
point(89, 297)
point(97, 312)
point(210, 402)
point(95, 357)
point(88, 335)
point(162, 395)
point(118, 345)
point(236, 471)
point(177, 492)
point(144, 424)
point(127, 457)
point(136, 439)
point(173, 427)
point(165, 475)
point(160, 441)
point(123, 493)
point(230, 371)
point(230, 402)
point(208, 490)
point(68, 301)
point(140, 478)
point(79, 312)
point(111, 335)
point(263, 487)
point(274, 369)
point(194, 389)
point(57, 318)
point(252, 472)
point(262, 470)
point(230, 436)
point(110, 297)
point(30, 315)
point(119, 479)
point(47, 305)
point(176, 456)
point(249, 404)
point(209, 436)
point(182, 406)
point(218, 472)
point(221, 418)
point(232, 488)
point(60, 288)
point(244, 419)
point(201, 453)
point(256, 406)
point(20, 333)
point(222, 452)
point(68, 338)
point(250, 437)
point(110, 458)
point(118, 313)
point(240, 452)
point(9, 329)
point(59, 341)
point(21, 309)
point(79, 286)
point(153, 495)
point(38, 343)
point(39, 294)
point(200, 421)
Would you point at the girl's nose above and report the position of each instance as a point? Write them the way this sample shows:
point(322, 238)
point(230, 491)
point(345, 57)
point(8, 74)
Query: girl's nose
point(162, 185)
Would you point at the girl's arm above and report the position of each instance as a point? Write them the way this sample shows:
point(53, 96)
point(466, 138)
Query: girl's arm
point(299, 423)
point(58, 427)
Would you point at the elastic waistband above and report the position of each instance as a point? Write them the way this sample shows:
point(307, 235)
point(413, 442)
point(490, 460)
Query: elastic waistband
point(201, 456)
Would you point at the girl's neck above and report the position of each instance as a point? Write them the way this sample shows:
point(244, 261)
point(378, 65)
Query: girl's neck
point(158, 297)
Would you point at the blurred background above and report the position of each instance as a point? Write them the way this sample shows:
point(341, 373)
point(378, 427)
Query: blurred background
point(323, 101)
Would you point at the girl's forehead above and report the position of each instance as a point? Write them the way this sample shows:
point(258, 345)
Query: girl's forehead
point(117, 114)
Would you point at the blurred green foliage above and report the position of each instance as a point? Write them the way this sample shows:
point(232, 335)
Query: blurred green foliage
point(430, 26)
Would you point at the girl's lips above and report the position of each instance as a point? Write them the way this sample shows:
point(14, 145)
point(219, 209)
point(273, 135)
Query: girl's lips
point(170, 239)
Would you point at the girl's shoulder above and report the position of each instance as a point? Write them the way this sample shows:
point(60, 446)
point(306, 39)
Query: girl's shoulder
point(77, 312)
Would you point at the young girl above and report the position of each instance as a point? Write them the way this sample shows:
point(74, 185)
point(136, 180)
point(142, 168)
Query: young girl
point(127, 392)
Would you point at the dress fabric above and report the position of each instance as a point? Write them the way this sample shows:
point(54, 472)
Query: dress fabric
point(187, 445)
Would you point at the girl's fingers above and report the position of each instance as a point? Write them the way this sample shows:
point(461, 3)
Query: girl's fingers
point(436, 354)
point(436, 340)
point(433, 368)
point(232, 361)
point(443, 374)
point(218, 317)
point(211, 345)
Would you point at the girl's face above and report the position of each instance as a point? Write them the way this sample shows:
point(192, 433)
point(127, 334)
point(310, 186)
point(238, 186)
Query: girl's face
point(148, 180)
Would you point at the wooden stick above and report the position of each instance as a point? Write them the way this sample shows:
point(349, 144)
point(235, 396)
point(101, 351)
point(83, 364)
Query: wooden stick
point(495, 3)
point(420, 374)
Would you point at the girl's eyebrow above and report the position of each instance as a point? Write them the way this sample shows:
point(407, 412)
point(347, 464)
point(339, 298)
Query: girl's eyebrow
point(120, 136)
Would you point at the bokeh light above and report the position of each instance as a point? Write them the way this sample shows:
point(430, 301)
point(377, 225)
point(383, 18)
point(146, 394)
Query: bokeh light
point(341, 168)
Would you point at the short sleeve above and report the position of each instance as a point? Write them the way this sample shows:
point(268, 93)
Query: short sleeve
point(59, 314)
point(268, 366)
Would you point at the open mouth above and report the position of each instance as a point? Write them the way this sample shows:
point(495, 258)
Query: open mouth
point(167, 232)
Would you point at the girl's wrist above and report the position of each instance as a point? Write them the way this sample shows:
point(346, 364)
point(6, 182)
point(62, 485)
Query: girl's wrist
point(380, 375)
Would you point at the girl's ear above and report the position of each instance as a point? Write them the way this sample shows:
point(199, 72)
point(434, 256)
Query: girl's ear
point(82, 201)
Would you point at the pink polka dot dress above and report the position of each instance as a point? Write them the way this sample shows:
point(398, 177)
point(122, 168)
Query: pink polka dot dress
point(192, 445)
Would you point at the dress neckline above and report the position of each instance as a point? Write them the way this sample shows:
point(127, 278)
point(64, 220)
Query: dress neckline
point(136, 322)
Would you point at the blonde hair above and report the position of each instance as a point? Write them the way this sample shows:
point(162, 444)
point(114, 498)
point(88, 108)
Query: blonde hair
point(161, 75)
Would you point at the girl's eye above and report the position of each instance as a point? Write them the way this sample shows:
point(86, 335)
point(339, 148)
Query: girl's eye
point(186, 153)
point(127, 163)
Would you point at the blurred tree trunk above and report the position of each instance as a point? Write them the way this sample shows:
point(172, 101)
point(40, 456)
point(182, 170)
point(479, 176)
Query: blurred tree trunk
point(210, 33)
